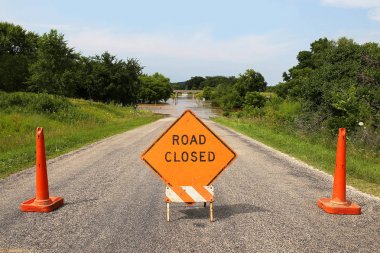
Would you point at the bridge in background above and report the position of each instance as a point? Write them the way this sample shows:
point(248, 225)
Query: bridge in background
point(187, 91)
point(193, 92)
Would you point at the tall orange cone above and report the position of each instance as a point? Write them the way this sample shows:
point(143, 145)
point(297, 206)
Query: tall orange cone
point(338, 203)
point(42, 202)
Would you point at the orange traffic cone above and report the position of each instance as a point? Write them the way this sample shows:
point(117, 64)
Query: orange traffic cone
point(42, 202)
point(338, 203)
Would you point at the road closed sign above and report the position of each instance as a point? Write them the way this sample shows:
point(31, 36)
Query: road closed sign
point(188, 153)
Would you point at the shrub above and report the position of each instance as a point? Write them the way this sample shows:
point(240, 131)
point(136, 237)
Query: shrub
point(30, 102)
point(254, 99)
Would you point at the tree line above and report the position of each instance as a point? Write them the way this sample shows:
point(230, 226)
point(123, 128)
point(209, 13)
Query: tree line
point(46, 64)
point(231, 92)
point(337, 84)
point(334, 84)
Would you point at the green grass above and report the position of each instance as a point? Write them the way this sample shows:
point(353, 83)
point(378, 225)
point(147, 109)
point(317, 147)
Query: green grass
point(68, 124)
point(363, 169)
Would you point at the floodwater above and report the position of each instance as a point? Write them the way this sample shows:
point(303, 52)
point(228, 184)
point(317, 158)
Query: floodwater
point(200, 108)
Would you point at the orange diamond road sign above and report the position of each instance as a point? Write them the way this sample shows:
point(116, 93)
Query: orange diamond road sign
point(188, 153)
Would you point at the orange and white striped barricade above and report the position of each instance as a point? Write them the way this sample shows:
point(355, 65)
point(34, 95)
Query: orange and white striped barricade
point(189, 195)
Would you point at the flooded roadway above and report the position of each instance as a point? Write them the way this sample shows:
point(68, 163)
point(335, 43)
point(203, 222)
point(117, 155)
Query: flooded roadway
point(200, 108)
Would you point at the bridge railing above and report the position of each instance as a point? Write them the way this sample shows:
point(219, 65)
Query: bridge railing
point(187, 91)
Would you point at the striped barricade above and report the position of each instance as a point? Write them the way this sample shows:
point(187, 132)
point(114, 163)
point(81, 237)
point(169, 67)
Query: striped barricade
point(189, 195)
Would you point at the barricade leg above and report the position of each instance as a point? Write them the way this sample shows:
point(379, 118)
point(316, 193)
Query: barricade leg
point(167, 212)
point(211, 214)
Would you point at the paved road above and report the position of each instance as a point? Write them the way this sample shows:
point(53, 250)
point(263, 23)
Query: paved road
point(265, 202)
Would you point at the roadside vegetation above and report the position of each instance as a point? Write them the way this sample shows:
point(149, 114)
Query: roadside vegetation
point(46, 64)
point(335, 84)
point(77, 99)
point(68, 124)
point(314, 148)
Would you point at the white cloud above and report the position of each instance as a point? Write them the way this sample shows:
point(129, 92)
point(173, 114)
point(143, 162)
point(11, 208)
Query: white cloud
point(59, 27)
point(375, 14)
point(353, 3)
point(196, 53)
point(42, 27)
point(199, 45)
point(373, 6)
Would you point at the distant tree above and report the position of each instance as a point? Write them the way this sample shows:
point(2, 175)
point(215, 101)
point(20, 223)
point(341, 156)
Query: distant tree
point(213, 81)
point(250, 81)
point(195, 83)
point(231, 99)
point(126, 81)
point(254, 99)
point(305, 59)
point(155, 88)
point(225, 96)
point(110, 79)
point(17, 51)
point(52, 72)
point(207, 92)
point(285, 77)
point(178, 86)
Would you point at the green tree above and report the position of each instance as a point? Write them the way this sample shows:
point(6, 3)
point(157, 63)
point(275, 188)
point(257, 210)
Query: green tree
point(178, 86)
point(213, 81)
point(337, 83)
point(110, 79)
point(17, 51)
point(195, 83)
point(230, 100)
point(225, 96)
point(155, 88)
point(53, 70)
point(250, 81)
point(207, 92)
point(254, 99)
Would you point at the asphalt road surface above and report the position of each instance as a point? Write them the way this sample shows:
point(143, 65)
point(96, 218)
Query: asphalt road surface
point(265, 202)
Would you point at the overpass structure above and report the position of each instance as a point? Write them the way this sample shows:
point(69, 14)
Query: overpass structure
point(193, 92)
point(187, 91)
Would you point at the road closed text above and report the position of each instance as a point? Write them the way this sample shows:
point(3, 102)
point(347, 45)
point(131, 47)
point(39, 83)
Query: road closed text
point(189, 156)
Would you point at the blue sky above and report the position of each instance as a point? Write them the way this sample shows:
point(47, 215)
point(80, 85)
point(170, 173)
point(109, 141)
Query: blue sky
point(181, 39)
